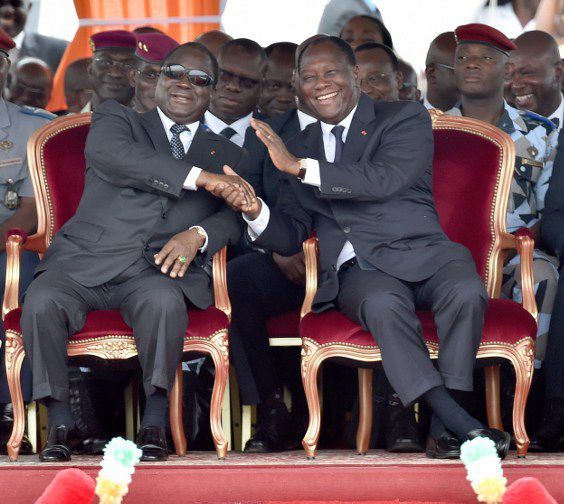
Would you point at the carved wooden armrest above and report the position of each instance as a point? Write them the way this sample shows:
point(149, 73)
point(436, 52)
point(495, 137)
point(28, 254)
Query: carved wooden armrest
point(524, 244)
point(310, 252)
point(221, 296)
point(15, 239)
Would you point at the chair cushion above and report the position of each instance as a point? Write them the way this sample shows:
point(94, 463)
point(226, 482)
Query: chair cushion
point(284, 326)
point(506, 322)
point(102, 323)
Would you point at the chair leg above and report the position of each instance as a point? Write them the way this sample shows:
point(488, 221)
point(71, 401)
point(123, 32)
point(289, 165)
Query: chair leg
point(492, 397)
point(14, 355)
point(310, 369)
point(364, 411)
point(175, 413)
point(221, 362)
point(523, 362)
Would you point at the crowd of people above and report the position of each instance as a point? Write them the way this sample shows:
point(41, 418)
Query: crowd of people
point(220, 142)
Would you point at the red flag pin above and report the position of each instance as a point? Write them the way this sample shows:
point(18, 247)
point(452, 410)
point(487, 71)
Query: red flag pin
point(363, 133)
point(212, 153)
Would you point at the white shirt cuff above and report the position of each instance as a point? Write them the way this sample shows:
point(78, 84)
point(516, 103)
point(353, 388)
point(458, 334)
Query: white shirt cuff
point(205, 245)
point(257, 226)
point(312, 175)
point(190, 180)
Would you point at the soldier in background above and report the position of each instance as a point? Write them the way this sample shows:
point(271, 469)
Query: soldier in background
point(78, 90)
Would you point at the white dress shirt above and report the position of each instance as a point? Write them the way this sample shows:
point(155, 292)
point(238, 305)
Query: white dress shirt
point(312, 177)
point(427, 104)
point(305, 120)
point(186, 139)
point(240, 126)
point(559, 113)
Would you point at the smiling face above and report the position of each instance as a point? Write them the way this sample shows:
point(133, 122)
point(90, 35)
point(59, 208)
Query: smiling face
point(109, 75)
point(328, 83)
point(479, 70)
point(144, 80)
point(278, 94)
point(378, 79)
point(181, 100)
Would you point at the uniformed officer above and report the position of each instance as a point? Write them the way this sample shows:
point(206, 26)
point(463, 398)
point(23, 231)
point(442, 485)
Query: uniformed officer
point(480, 66)
point(17, 209)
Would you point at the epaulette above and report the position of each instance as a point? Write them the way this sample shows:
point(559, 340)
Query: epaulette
point(37, 112)
point(541, 119)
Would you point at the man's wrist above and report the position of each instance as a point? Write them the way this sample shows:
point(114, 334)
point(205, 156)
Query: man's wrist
point(203, 179)
point(253, 215)
point(302, 169)
point(294, 167)
point(200, 234)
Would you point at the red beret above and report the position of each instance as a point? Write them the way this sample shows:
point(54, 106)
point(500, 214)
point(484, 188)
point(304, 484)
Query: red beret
point(483, 34)
point(113, 39)
point(153, 47)
point(6, 42)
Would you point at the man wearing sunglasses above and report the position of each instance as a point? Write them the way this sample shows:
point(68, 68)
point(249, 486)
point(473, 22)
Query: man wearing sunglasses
point(113, 59)
point(140, 242)
point(150, 52)
point(442, 92)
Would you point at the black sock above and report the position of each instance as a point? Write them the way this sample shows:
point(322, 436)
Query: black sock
point(453, 416)
point(156, 409)
point(437, 428)
point(59, 413)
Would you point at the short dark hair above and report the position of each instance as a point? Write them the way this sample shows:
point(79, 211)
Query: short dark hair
point(375, 45)
point(198, 47)
point(345, 48)
point(288, 47)
point(248, 45)
point(386, 35)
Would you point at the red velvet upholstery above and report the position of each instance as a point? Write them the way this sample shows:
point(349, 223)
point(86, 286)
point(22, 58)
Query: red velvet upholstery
point(284, 326)
point(202, 324)
point(464, 189)
point(334, 327)
point(64, 165)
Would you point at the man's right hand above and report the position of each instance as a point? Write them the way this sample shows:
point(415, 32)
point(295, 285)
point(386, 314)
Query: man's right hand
point(292, 267)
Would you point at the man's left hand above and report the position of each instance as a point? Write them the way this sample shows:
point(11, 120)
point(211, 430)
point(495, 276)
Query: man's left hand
point(279, 155)
point(184, 245)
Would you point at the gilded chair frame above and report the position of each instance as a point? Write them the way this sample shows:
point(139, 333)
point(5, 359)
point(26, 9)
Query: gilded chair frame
point(109, 346)
point(521, 354)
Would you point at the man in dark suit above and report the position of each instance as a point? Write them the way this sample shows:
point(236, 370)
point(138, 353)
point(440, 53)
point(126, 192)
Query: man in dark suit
point(361, 180)
point(550, 434)
point(140, 242)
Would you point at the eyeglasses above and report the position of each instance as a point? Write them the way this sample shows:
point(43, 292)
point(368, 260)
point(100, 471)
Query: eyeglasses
point(246, 82)
point(448, 67)
point(376, 79)
point(107, 64)
point(148, 74)
point(198, 78)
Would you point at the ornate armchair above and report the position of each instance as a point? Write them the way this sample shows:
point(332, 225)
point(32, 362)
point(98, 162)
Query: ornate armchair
point(472, 171)
point(57, 167)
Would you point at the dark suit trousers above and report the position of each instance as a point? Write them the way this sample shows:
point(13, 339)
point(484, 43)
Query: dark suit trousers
point(385, 306)
point(257, 290)
point(554, 361)
point(55, 307)
point(28, 262)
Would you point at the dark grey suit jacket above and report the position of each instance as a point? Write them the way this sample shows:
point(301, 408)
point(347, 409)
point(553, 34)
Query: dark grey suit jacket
point(378, 197)
point(552, 221)
point(48, 49)
point(134, 201)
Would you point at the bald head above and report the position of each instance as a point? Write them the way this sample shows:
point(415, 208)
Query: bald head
point(213, 40)
point(31, 83)
point(78, 90)
point(442, 49)
point(536, 73)
point(442, 92)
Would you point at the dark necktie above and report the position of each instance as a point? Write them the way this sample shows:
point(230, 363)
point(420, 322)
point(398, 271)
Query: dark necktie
point(227, 132)
point(175, 142)
point(337, 132)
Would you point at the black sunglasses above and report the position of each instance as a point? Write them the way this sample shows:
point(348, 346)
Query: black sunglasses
point(176, 71)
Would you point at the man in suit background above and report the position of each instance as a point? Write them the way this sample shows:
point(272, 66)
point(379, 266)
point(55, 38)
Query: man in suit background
point(140, 242)
point(213, 40)
point(442, 92)
point(367, 162)
point(78, 89)
point(379, 73)
point(409, 89)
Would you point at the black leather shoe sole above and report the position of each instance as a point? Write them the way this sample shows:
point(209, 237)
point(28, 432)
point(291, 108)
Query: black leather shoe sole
point(153, 453)
point(444, 447)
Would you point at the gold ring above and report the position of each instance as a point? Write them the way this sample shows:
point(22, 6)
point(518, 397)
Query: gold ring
point(182, 259)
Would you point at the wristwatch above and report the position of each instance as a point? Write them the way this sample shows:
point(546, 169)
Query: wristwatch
point(303, 168)
point(201, 232)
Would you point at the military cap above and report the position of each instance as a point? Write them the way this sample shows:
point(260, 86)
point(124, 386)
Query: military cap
point(477, 33)
point(113, 39)
point(153, 47)
point(6, 42)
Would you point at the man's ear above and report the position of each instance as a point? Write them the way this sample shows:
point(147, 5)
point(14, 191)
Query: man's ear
point(356, 74)
point(132, 77)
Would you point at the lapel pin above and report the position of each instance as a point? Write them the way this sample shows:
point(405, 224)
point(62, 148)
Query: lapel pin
point(212, 153)
point(363, 133)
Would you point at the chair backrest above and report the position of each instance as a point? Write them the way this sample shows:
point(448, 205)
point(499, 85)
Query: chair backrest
point(57, 167)
point(472, 171)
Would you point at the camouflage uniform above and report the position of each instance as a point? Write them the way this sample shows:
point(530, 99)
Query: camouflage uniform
point(535, 139)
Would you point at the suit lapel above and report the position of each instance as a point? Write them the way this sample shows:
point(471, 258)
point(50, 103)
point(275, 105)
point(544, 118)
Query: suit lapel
point(360, 131)
point(313, 144)
point(200, 151)
point(154, 127)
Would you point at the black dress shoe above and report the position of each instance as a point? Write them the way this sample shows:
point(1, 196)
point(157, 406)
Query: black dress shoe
point(402, 434)
point(57, 448)
point(446, 446)
point(501, 439)
point(272, 431)
point(550, 434)
point(151, 441)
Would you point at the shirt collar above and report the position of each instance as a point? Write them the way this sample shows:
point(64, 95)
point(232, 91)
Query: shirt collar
point(346, 122)
point(305, 119)
point(168, 122)
point(427, 104)
point(558, 113)
point(217, 125)
point(18, 39)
